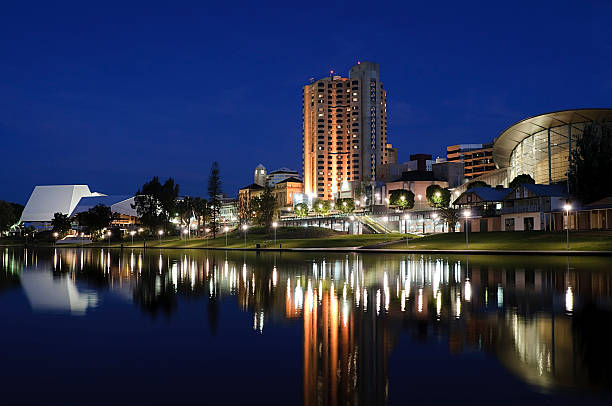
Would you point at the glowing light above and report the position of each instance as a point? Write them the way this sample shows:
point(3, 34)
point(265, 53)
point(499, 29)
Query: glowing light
point(567, 207)
point(275, 224)
point(468, 290)
point(160, 232)
point(458, 305)
point(226, 229)
point(244, 227)
point(420, 301)
point(467, 213)
point(569, 299)
point(438, 194)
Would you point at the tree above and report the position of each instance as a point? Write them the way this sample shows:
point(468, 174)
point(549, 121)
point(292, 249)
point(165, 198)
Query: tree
point(437, 196)
point(156, 203)
point(450, 216)
point(96, 219)
point(402, 198)
point(321, 206)
point(478, 183)
point(522, 179)
point(301, 209)
point(201, 210)
point(9, 215)
point(61, 223)
point(185, 210)
point(214, 190)
point(263, 206)
point(590, 164)
point(346, 205)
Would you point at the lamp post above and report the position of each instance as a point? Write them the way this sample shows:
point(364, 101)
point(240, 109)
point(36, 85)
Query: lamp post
point(406, 218)
point(226, 229)
point(207, 231)
point(567, 207)
point(186, 231)
point(140, 230)
point(466, 214)
point(55, 239)
point(82, 236)
point(435, 218)
point(245, 227)
point(274, 225)
point(109, 236)
point(132, 234)
point(160, 233)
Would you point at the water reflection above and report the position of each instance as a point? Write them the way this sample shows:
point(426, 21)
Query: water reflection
point(544, 319)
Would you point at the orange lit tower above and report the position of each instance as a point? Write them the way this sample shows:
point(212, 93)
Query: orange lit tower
point(344, 130)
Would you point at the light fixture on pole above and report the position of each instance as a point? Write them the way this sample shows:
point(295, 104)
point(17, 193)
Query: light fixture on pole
point(132, 234)
point(274, 225)
point(55, 235)
point(207, 231)
point(435, 218)
point(567, 207)
point(226, 229)
point(160, 233)
point(406, 218)
point(245, 228)
point(466, 214)
point(109, 236)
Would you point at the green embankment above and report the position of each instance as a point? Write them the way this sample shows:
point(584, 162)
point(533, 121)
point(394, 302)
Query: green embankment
point(288, 237)
point(517, 240)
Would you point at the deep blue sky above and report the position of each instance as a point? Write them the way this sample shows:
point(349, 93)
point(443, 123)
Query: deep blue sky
point(112, 95)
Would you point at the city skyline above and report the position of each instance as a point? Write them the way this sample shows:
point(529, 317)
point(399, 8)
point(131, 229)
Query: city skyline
point(158, 94)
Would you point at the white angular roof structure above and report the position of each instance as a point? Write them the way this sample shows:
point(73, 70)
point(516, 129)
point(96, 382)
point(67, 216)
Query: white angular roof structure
point(45, 201)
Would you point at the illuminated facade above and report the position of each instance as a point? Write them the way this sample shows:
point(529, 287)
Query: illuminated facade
point(344, 130)
point(539, 146)
point(477, 158)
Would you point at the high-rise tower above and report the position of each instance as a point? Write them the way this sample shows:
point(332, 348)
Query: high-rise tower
point(344, 131)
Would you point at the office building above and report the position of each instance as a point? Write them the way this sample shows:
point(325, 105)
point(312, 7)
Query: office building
point(344, 131)
point(279, 175)
point(477, 158)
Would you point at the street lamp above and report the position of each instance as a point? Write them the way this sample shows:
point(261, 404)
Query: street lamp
point(207, 231)
point(245, 228)
point(466, 214)
point(274, 225)
point(132, 234)
point(160, 233)
point(109, 236)
point(226, 229)
point(406, 218)
point(435, 217)
point(55, 238)
point(567, 207)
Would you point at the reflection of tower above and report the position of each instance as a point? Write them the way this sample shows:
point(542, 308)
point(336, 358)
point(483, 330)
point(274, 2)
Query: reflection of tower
point(345, 352)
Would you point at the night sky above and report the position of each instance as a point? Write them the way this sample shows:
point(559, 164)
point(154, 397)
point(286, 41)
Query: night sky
point(113, 95)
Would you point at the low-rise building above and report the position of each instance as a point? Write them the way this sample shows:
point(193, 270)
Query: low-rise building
point(285, 190)
point(417, 182)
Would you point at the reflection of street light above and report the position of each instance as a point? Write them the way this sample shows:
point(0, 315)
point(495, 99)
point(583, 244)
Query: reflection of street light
point(466, 214)
point(226, 229)
point(245, 228)
point(567, 207)
point(274, 225)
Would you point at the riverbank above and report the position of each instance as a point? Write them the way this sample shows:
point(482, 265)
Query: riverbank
point(315, 239)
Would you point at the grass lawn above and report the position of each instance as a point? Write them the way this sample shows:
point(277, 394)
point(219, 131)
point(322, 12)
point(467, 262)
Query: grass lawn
point(517, 240)
point(289, 237)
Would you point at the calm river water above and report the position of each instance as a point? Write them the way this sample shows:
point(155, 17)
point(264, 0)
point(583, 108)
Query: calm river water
point(195, 327)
